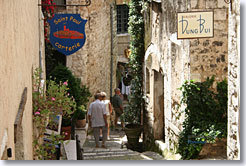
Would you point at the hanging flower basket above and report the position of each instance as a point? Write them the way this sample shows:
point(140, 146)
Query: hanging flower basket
point(127, 80)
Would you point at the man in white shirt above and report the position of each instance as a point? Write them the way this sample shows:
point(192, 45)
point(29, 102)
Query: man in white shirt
point(97, 116)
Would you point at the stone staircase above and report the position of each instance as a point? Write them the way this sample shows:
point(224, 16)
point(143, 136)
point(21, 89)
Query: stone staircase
point(115, 150)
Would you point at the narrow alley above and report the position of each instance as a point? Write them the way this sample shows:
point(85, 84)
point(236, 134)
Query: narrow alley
point(168, 71)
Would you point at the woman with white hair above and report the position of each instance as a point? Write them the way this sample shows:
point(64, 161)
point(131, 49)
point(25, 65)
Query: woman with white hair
point(108, 109)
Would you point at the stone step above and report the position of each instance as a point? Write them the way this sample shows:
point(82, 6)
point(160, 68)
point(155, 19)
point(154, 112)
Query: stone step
point(122, 153)
point(153, 155)
point(115, 149)
point(117, 157)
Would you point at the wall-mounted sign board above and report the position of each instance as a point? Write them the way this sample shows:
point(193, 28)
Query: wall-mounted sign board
point(195, 25)
point(67, 32)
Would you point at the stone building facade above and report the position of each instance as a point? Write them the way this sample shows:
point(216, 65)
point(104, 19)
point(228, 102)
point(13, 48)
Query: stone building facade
point(169, 62)
point(167, 66)
point(95, 62)
point(22, 51)
point(233, 137)
point(209, 56)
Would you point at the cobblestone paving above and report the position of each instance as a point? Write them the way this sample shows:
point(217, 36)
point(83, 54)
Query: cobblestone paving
point(115, 150)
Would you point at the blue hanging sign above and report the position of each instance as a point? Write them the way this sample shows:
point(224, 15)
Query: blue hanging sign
point(67, 32)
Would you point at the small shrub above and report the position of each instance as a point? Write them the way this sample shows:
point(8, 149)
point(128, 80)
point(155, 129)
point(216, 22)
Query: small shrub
point(80, 94)
point(206, 116)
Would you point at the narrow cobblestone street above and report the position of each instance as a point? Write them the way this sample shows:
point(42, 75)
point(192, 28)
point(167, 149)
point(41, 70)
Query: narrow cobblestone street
point(163, 76)
point(116, 149)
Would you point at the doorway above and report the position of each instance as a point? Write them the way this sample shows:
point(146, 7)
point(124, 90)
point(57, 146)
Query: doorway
point(158, 106)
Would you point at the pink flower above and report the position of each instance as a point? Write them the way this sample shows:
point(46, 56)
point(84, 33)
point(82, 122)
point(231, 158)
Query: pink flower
point(68, 94)
point(37, 113)
point(66, 133)
point(53, 98)
point(65, 83)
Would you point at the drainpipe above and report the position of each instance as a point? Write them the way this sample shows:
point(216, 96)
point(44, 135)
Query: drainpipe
point(112, 44)
point(40, 51)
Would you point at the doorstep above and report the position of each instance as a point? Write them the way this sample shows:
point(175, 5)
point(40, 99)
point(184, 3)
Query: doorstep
point(68, 150)
point(168, 155)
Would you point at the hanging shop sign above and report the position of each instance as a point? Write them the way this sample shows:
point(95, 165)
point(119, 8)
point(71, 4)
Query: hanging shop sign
point(195, 25)
point(67, 32)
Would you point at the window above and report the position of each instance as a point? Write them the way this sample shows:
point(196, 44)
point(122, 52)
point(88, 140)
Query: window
point(122, 18)
point(60, 2)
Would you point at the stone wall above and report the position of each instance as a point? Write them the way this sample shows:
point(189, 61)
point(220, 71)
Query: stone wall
point(123, 45)
point(209, 56)
point(169, 57)
point(92, 63)
point(123, 40)
point(180, 60)
point(233, 137)
point(19, 49)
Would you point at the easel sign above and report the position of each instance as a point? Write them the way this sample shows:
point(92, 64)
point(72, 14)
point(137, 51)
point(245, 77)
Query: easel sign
point(195, 25)
point(54, 126)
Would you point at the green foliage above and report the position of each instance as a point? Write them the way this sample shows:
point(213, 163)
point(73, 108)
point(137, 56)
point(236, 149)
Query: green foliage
point(63, 74)
point(80, 113)
point(206, 115)
point(81, 94)
point(52, 58)
point(47, 150)
point(132, 113)
point(47, 104)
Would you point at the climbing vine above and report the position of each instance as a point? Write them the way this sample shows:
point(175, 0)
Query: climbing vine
point(205, 116)
point(48, 12)
point(136, 31)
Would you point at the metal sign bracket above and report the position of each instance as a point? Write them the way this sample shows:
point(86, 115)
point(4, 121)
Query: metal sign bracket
point(85, 3)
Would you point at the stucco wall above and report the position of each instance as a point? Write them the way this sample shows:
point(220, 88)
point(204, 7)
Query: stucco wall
point(92, 63)
point(19, 49)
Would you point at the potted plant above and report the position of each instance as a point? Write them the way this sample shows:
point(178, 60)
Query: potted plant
point(133, 128)
point(79, 94)
point(79, 115)
point(66, 127)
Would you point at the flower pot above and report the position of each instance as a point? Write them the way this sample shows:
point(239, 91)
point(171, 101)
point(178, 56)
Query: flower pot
point(81, 123)
point(133, 132)
point(67, 132)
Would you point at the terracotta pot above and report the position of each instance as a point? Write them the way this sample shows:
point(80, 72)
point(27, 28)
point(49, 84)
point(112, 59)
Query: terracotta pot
point(133, 132)
point(81, 123)
point(67, 132)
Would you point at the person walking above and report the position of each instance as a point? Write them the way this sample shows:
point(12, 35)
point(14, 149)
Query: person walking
point(108, 109)
point(118, 107)
point(97, 116)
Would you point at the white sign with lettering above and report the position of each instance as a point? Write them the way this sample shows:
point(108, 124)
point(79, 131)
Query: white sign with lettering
point(195, 25)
